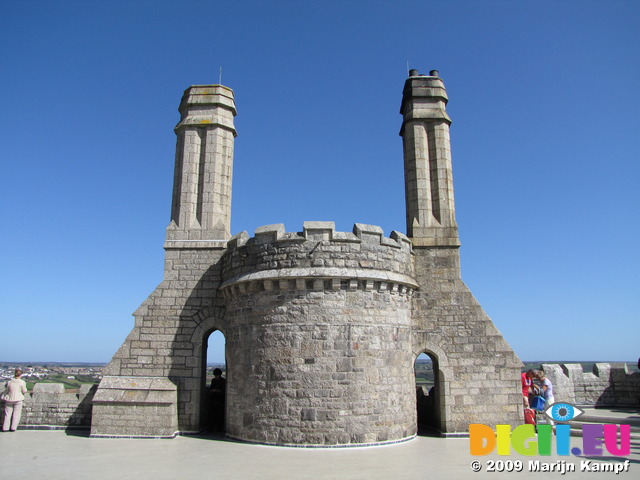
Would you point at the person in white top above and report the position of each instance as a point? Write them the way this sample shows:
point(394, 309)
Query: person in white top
point(15, 390)
point(547, 389)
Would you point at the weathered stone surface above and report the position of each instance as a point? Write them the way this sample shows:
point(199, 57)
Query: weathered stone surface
point(134, 406)
point(51, 388)
point(325, 349)
point(608, 385)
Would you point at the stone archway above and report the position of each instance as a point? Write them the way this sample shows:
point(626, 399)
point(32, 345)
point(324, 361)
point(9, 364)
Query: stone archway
point(428, 393)
point(433, 402)
point(208, 321)
point(212, 405)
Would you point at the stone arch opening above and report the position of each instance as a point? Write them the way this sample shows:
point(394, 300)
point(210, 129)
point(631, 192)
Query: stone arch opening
point(213, 391)
point(429, 393)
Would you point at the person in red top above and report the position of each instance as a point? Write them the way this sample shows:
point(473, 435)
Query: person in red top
point(527, 383)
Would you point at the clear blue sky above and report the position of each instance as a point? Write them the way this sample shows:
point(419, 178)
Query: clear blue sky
point(545, 103)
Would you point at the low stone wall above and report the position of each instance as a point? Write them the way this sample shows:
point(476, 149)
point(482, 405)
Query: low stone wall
point(608, 385)
point(49, 406)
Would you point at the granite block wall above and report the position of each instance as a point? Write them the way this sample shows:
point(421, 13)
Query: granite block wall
point(50, 406)
point(607, 385)
point(319, 336)
point(478, 379)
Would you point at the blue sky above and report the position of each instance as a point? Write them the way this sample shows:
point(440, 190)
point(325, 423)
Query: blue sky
point(544, 99)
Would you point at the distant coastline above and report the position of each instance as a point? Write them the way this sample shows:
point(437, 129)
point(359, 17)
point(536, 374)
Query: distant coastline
point(6, 364)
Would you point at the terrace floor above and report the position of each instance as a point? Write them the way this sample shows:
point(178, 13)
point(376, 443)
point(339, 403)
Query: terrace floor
point(55, 454)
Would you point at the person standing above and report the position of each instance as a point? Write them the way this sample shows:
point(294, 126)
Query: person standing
point(218, 390)
point(527, 382)
point(15, 390)
point(547, 390)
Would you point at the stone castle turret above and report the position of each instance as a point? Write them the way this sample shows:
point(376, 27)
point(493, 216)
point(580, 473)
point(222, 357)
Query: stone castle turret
point(322, 328)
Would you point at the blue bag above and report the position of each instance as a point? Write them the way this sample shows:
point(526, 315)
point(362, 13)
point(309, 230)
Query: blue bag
point(537, 403)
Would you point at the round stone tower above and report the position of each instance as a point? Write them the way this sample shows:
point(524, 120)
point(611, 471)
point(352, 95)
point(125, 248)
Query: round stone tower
point(318, 336)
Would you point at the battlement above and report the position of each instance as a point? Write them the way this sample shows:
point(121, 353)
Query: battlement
point(322, 231)
point(609, 384)
point(319, 258)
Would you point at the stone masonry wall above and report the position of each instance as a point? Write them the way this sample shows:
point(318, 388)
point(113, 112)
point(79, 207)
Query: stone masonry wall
point(318, 338)
point(609, 384)
point(479, 374)
point(49, 406)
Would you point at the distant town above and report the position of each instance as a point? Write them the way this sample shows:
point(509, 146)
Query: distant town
point(71, 375)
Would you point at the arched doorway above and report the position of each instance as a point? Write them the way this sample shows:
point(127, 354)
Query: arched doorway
point(429, 390)
point(214, 374)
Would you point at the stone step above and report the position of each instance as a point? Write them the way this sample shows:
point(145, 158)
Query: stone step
point(576, 425)
point(589, 418)
point(633, 421)
point(577, 432)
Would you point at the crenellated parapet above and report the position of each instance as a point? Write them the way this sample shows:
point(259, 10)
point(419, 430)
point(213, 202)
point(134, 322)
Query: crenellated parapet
point(319, 258)
point(323, 231)
point(608, 384)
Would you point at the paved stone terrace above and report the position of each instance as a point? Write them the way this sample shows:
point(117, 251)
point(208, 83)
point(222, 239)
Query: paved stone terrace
point(58, 455)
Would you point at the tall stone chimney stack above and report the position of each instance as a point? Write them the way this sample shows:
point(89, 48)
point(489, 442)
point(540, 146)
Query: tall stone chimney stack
point(201, 205)
point(427, 162)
